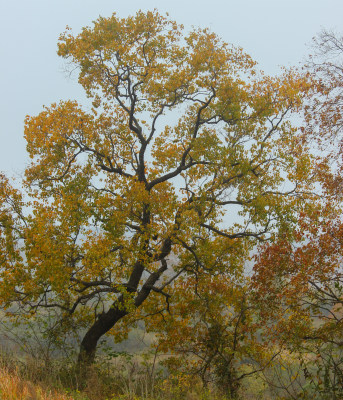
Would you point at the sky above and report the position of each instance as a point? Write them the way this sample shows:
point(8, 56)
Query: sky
point(274, 32)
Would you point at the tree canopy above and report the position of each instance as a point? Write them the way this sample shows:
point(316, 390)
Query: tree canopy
point(185, 161)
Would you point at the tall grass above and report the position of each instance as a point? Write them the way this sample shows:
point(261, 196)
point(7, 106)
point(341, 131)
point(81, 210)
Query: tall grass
point(13, 387)
point(121, 378)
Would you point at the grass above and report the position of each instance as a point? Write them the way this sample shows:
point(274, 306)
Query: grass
point(120, 380)
point(13, 387)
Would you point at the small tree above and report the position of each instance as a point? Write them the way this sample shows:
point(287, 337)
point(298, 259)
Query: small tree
point(179, 165)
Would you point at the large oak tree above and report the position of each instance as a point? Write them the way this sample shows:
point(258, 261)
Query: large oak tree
point(184, 161)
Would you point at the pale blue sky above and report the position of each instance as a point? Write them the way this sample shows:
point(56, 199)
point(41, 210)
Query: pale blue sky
point(273, 32)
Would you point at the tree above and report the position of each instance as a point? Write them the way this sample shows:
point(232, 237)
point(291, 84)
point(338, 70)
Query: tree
point(298, 280)
point(299, 286)
point(179, 164)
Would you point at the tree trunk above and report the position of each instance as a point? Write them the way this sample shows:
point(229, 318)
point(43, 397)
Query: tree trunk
point(107, 320)
point(103, 324)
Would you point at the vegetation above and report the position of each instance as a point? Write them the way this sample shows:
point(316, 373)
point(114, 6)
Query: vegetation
point(148, 210)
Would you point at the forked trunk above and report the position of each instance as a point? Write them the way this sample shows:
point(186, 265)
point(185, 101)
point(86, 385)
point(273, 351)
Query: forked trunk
point(102, 325)
point(107, 320)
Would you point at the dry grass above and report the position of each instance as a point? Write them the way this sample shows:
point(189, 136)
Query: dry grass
point(12, 387)
point(119, 379)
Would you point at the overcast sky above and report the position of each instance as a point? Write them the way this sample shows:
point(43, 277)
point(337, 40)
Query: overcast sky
point(273, 32)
